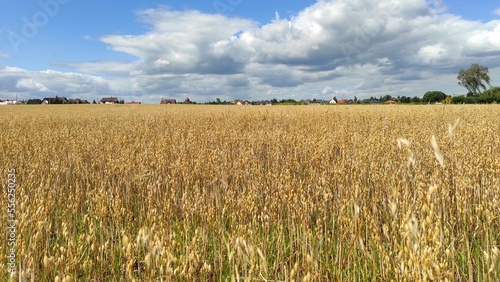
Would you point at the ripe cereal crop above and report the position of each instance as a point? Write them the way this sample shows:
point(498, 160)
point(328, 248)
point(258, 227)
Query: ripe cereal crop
point(252, 193)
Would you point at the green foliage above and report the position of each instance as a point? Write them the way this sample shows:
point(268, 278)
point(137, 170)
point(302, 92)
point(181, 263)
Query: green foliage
point(433, 97)
point(405, 100)
point(416, 100)
point(493, 92)
point(448, 100)
point(489, 96)
point(34, 102)
point(289, 102)
point(219, 102)
point(474, 78)
point(385, 98)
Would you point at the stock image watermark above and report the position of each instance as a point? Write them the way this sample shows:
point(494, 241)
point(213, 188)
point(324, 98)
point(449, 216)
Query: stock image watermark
point(11, 220)
point(226, 6)
point(31, 25)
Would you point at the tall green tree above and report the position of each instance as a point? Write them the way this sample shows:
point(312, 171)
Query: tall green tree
point(34, 101)
point(474, 78)
point(433, 97)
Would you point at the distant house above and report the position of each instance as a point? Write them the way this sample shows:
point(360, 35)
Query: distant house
point(8, 102)
point(343, 101)
point(187, 101)
point(391, 102)
point(56, 100)
point(240, 102)
point(168, 101)
point(109, 100)
point(333, 102)
point(133, 103)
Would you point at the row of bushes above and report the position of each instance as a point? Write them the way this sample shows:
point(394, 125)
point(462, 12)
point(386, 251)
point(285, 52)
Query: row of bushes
point(489, 96)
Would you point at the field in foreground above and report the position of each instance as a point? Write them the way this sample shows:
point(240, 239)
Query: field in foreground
point(216, 193)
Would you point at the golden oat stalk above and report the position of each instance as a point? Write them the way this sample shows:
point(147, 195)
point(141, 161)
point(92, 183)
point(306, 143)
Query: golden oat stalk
point(451, 128)
point(437, 152)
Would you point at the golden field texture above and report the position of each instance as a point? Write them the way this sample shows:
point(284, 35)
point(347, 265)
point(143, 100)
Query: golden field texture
point(228, 193)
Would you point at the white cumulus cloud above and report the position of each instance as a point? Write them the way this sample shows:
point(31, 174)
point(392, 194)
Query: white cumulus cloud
point(186, 40)
point(485, 41)
point(31, 84)
point(432, 53)
point(38, 84)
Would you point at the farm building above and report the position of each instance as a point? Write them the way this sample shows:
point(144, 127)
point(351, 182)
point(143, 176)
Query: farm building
point(265, 103)
point(56, 100)
point(240, 102)
point(109, 100)
point(168, 101)
point(8, 102)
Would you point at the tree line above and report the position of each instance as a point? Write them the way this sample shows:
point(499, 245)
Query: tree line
point(475, 79)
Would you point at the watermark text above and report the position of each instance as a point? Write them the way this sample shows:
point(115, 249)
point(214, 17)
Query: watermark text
point(31, 25)
point(11, 219)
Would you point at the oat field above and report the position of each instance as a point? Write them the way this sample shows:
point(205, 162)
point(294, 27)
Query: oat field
point(250, 193)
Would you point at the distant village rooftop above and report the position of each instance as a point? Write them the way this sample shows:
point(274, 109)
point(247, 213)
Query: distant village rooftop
point(8, 102)
point(168, 101)
point(109, 100)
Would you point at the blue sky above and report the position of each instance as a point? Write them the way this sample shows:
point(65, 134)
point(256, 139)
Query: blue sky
point(146, 50)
